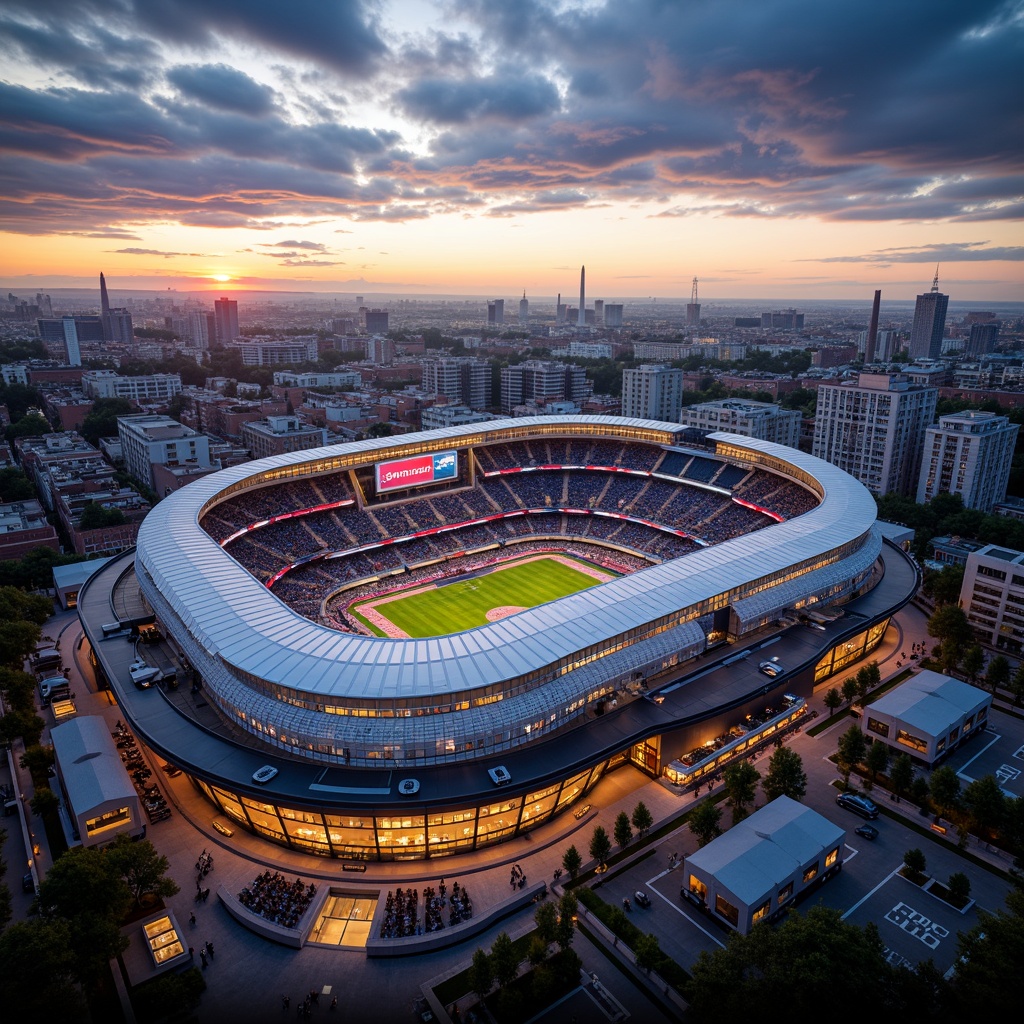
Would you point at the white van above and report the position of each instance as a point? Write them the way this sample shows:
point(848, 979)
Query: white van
point(46, 660)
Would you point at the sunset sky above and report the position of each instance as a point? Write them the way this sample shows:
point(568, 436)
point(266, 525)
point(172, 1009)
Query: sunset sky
point(770, 148)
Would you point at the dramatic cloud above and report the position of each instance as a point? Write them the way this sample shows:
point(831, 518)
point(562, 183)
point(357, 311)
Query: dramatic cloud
point(953, 252)
point(246, 114)
point(157, 252)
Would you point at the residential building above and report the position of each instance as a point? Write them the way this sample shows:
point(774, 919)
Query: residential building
point(23, 527)
point(783, 320)
point(462, 380)
point(225, 321)
point(874, 429)
point(148, 440)
point(983, 339)
point(545, 380)
point(765, 420)
point(968, 453)
point(376, 321)
point(276, 351)
point(652, 392)
point(436, 416)
point(150, 387)
point(992, 595)
point(496, 311)
point(278, 434)
point(337, 379)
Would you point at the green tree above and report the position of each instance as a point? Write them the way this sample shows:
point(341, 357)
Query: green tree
point(901, 774)
point(546, 920)
point(82, 888)
point(754, 969)
point(833, 700)
point(850, 752)
point(572, 862)
point(481, 974)
point(504, 960)
point(741, 781)
point(705, 822)
point(567, 907)
point(102, 418)
point(998, 674)
point(945, 789)
point(32, 424)
point(600, 844)
point(973, 662)
point(914, 861)
point(850, 689)
point(920, 791)
point(785, 776)
point(37, 760)
point(44, 802)
point(986, 805)
point(949, 625)
point(646, 952)
point(959, 886)
point(15, 485)
point(38, 971)
point(623, 831)
point(143, 870)
point(876, 760)
point(95, 517)
point(642, 819)
point(943, 586)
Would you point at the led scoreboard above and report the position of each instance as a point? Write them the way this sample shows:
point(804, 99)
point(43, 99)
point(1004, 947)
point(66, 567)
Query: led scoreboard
point(416, 471)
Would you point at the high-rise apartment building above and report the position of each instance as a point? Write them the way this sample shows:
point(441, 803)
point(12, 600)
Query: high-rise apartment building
point(929, 323)
point(225, 320)
point(72, 348)
point(496, 311)
point(992, 595)
point(542, 381)
point(613, 314)
point(376, 321)
point(983, 339)
point(968, 453)
point(199, 328)
point(524, 310)
point(652, 392)
point(461, 380)
point(874, 429)
point(765, 420)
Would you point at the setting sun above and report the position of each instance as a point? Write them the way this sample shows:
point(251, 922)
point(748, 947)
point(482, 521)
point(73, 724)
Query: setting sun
point(220, 277)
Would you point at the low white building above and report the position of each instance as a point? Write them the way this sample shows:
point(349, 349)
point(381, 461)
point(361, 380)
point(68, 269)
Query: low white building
point(927, 716)
point(764, 863)
point(98, 799)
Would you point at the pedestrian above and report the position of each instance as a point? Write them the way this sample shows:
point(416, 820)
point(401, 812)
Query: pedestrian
point(209, 949)
point(192, 920)
point(286, 1001)
point(202, 956)
point(334, 1003)
point(191, 953)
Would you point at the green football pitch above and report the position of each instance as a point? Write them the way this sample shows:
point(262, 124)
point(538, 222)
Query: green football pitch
point(464, 604)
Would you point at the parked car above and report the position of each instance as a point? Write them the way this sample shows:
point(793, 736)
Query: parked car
point(867, 831)
point(641, 899)
point(858, 804)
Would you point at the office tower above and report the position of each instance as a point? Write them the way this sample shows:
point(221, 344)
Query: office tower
point(968, 453)
point(359, 301)
point(598, 311)
point(983, 338)
point(104, 299)
point(929, 323)
point(613, 314)
point(874, 429)
point(496, 311)
point(225, 313)
point(783, 320)
point(869, 346)
point(524, 309)
point(559, 308)
point(693, 307)
point(72, 350)
point(376, 321)
point(581, 318)
point(652, 392)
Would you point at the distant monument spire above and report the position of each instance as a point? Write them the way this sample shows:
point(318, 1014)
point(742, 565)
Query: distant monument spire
point(104, 301)
point(581, 318)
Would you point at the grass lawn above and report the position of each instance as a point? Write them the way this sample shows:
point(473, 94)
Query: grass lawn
point(465, 603)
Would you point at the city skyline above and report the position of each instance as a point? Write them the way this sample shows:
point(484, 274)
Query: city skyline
point(793, 152)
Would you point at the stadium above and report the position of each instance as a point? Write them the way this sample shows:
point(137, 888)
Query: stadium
point(390, 622)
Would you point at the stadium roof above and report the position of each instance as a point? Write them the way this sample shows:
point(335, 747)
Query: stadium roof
point(235, 617)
